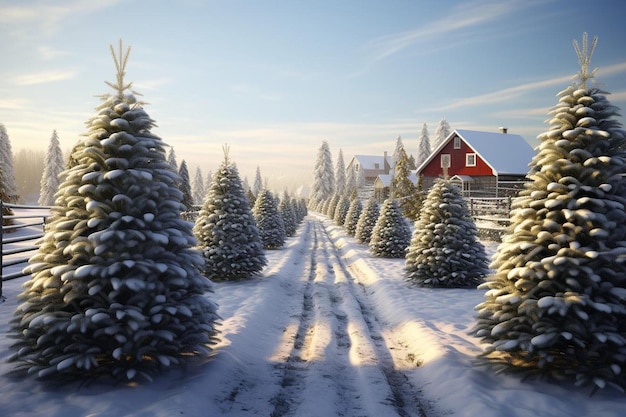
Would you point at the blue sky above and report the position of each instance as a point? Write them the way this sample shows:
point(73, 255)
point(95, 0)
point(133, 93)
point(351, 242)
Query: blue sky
point(273, 79)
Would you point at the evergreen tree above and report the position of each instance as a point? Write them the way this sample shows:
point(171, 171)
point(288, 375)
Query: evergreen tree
point(8, 170)
point(285, 208)
point(444, 250)
point(556, 303)
point(226, 230)
point(209, 179)
point(197, 187)
point(171, 159)
point(332, 206)
point(341, 211)
point(396, 156)
point(185, 186)
point(116, 288)
point(340, 174)
point(391, 234)
point(442, 132)
point(423, 151)
point(323, 177)
point(367, 221)
point(404, 191)
point(351, 188)
point(352, 218)
point(269, 220)
point(411, 163)
point(257, 187)
point(53, 166)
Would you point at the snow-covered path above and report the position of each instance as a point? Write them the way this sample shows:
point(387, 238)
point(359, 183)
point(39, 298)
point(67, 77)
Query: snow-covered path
point(332, 357)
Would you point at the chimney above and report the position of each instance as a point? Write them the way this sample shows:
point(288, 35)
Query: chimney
point(503, 129)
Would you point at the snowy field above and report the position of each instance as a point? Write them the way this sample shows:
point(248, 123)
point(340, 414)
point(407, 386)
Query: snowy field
point(327, 330)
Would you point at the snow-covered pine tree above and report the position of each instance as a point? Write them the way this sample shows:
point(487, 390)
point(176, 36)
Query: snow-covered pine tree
point(403, 189)
point(197, 187)
point(367, 221)
point(332, 206)
point(423, 151)
point(442, 132)
point(226, 230)
point(323, 186)
point(8, 170)
point(171, 159)
point(556, 303)
point(185, 186)
point(444, 250)
point(285, 208)
point(396, 156)
point(52, 168)
point(115, 289)
point(257, 187)
point(341, 211)
point(391, 234)
point(269, 220)
point(352, 218)
point(351, 189)
point(340, 174)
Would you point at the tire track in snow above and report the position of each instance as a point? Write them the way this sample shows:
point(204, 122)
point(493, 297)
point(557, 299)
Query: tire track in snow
point(339, 362)
point(370, 345)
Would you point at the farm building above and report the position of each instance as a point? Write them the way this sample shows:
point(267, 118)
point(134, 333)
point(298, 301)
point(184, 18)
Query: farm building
point(367, 168)
point(483, 163)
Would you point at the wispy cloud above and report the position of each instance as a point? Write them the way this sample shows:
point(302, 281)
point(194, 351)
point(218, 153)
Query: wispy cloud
point(465, 16)
point(48, 18)
point(44, 77)
point(506, 94)
point(512, 93)
point(47, 52)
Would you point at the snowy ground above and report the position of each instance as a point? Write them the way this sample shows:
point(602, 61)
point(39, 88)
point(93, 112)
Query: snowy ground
point(327, 331)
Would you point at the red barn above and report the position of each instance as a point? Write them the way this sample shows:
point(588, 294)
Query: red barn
point(484, 163)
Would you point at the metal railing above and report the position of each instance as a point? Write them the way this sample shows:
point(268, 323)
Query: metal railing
point(22, 227)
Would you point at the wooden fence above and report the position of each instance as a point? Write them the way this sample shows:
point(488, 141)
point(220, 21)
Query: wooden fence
point(22, 227)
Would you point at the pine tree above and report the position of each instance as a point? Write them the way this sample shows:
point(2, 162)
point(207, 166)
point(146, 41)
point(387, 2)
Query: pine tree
point(226, 230)
point(197, 187)
point(53, 166)
point(404, 191)
point(257, 187)
point(391, 234)
point(341, 211)
point(556, 303)
point(332, 206)
point(185, 186)
point(423, 151)
point(171, 159)
point(442, 132)
point(444, 250)
point(351, 188)
point(116, 288)
point(8, 170)
point(352, 218)
point(285, 208)
point(269, 220)
point(323, 186)
point(367, 221)
point(340, 174)
point(396, 156)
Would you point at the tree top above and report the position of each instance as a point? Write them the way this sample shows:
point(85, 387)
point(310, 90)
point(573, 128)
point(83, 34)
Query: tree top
point(584, 58)
point(120, 59)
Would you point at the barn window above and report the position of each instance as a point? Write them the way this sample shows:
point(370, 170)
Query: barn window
point(470, 160)
point(445, 160)
point(457, 142)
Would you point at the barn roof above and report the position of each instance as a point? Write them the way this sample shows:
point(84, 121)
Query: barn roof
point(505, 153)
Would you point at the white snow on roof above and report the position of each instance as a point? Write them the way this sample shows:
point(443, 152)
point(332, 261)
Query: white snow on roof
point(385, 179)
point(370, 161)
point(506, 153)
